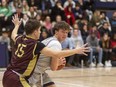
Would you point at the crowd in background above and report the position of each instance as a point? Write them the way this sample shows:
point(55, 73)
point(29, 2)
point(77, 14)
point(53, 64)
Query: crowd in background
point(87, 25)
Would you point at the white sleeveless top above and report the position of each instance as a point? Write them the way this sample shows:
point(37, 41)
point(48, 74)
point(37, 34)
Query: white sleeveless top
point(44, 61)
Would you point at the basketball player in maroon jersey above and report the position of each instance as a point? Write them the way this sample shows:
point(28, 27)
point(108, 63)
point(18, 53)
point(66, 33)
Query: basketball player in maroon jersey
point(26, 52)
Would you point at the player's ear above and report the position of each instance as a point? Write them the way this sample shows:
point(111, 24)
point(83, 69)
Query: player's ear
point(56, 32)
point(35, 32)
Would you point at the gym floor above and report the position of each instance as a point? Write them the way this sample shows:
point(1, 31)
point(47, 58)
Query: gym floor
point(81, 77)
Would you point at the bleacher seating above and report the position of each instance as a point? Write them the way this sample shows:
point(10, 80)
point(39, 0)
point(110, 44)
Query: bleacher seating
point(3, 55)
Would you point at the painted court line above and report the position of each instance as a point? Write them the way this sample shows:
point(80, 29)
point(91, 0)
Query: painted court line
point(70, 84)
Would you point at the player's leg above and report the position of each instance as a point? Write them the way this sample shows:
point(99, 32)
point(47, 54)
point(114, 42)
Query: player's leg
point(47, 82)
point(13, 80)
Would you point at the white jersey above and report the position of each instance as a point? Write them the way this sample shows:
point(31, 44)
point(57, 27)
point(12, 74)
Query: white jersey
point(43, 62)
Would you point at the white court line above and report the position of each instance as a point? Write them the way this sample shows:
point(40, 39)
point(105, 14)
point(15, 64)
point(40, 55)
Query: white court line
point(70, 84)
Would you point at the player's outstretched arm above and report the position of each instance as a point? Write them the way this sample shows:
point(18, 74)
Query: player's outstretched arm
point(17, 23)
point(57, 54)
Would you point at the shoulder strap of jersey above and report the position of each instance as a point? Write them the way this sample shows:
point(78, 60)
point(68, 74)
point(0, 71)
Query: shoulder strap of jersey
point(50, 41)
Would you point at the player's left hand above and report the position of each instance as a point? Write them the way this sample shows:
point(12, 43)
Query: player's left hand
point(62, 61)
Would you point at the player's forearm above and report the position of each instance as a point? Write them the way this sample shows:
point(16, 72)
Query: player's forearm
point(54, 64)
point(58, 54)
point(14, 32)
point(66, 53)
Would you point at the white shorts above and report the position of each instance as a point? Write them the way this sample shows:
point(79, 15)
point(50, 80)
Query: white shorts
point(38, 80)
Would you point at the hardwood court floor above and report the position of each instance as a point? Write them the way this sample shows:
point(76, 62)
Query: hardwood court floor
point(83, 77)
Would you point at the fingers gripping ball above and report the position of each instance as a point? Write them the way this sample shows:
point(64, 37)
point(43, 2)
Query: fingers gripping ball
point(62, 63)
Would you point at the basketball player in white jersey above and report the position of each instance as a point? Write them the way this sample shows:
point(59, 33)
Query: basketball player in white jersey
point(40, 78)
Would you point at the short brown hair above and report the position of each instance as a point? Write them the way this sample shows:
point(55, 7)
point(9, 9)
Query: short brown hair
point(31, 26)
point(61, 25)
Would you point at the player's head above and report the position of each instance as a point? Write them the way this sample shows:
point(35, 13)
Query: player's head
point(61, 30)
point(32, 28)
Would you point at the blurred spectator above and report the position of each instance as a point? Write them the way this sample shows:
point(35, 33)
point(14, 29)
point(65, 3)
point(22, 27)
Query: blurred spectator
point(78, 13)
point(103, 19)
point(57, 19)
point(5, 12)
point(20, 15)
point(87, 14)
point(89, 5)
point(105, 29)
point(39, 18)
point(5, 37)
point(53, 2)
point(74, 35)
point(25, 7)
point(113, 44)
point(77, 40)
point(44, 34)
point(81, 22)
point(24, 21)
point(67, 2)
point(43, 5)
point(95, 18)
point(113, 23)
point(84, 32)
point(95, 30)
point(32, 13)
point(18, 11)
point(14, 4)
point(66, 44)
point(76, 27)
point(70, 19)
point(47, 23)
point(105, 44)
point(81, 3)
point(57, 10)
point(34, 3)
point(93, 43)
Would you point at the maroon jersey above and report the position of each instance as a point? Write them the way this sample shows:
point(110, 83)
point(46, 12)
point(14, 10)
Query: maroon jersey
point(25, 54)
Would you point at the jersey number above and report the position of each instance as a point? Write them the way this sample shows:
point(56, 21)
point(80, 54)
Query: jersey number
point(20, 52)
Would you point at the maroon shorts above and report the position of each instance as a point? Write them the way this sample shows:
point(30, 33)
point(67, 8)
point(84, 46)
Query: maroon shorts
point(11, 79)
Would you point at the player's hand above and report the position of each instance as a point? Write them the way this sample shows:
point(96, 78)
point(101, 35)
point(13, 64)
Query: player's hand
point(16, 20)
point(83, 49)
point(62, 61)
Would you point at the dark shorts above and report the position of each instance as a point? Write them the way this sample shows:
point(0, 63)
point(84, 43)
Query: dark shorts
point(10, 79)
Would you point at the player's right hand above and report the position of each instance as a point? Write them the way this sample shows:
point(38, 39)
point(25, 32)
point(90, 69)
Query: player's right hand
point(16, 20)
point(83, 49)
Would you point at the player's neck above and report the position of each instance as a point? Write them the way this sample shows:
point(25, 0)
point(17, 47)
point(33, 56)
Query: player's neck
point(57, 38)
point(31, 36)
